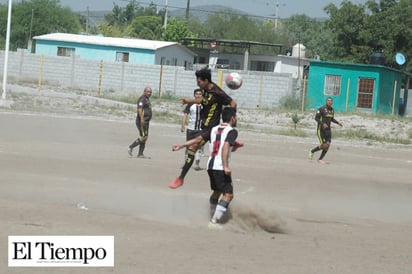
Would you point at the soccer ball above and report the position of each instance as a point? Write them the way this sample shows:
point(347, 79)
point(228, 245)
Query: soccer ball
point(234, 80)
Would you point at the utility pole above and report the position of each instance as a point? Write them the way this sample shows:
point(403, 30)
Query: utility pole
point(6, 54)
point(29, 44)
point(187, 10)
point(276, 14)
point(277, 5)
point(165, 22)
point(87, 20)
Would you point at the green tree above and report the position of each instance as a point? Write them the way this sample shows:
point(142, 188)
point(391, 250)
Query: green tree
point(145, 27)
point(195, 26)
point(381, 6)
point(231, 26)
point(175, 30)
point(126, 21)
point(122, 17)
point(346, 23)
point(110, 30)
point(358, 30)
point(48, 16)
point(388, 28)
point(312, 33)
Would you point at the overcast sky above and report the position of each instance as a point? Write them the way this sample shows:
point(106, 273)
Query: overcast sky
point(312, 8)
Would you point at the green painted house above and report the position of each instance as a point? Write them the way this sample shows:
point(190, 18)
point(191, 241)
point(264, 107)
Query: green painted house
point(356, 87)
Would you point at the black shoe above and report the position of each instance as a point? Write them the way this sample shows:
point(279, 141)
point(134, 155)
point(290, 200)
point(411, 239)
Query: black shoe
point(143, 157)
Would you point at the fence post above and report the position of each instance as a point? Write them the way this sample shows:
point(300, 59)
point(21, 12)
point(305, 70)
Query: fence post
point(394, 97)
point(160, 82)
point(304, 93)
point(347, 95)
point(260, 91)
point(219, 77)
point(100, 77)
point(41, 73)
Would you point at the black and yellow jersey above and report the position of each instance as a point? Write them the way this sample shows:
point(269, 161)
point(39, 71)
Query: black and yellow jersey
point(144, 103)
point(325, 115)
point(213, 102)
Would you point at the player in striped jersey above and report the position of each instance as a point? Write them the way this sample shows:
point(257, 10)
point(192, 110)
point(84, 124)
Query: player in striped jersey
point(193, 112)
point(222, 142)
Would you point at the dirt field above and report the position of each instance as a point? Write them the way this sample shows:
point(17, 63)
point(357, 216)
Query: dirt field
point(352, 215)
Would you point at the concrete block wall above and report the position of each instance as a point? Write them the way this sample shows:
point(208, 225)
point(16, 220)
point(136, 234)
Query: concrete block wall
point(259, 90)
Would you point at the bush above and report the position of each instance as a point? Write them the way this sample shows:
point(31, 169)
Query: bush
point(290, 102)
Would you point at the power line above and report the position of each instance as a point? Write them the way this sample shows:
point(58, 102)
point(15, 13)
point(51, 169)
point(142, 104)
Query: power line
point(224, 12)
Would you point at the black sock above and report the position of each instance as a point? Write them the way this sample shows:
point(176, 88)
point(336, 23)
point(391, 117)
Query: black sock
point(323, 154)
point(141, 148)
point(188, 164)
point(315, 149)
point(135, 144)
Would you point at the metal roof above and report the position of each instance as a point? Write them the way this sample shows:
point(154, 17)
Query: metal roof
point(342, 64)
point(226, 42)
point(105, 41)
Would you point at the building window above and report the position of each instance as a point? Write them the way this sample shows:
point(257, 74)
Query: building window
point(188, 65)
point(202, 60)
point(365, 92)
point(162, 60)
point(262, 66)
point(122, 56)
point(63, 51)
point(174, 61)
point(332, 84)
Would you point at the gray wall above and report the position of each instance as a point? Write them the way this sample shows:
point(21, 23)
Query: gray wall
point(260, 89)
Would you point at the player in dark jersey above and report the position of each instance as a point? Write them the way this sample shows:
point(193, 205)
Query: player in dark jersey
point(324, 116)
point(213, 100)
point(144, 115)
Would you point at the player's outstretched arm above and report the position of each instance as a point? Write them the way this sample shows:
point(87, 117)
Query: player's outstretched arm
point(233, 104)
point(188, 143)
point(238, 144)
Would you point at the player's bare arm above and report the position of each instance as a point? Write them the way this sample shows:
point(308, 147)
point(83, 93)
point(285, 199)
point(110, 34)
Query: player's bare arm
point(186, 144)
point(225, 158)
point(238, 144)
point(183, 127)
point(336, 122)
point(186, 101)
point(233, 104)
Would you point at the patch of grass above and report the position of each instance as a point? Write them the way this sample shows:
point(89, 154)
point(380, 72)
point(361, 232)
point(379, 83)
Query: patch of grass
point(129, 98)
point(166, 116)
point(246, 126)
point(410, 133)
point(364, 134)
point(167, 95)
point(290, 102)
point(132, 98)
point(293, 132)
point(383, 116)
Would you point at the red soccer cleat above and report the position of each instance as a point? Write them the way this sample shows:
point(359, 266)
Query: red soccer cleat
point(178, 182)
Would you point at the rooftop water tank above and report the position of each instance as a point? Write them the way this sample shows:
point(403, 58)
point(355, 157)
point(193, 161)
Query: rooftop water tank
point(377, 58)
point(299, 50)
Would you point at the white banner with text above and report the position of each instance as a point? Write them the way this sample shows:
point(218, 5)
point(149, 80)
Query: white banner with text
point(61, 251)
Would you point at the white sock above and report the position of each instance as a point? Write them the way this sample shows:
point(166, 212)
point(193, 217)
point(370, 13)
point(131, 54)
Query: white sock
point(198, 155)
point(219, 212)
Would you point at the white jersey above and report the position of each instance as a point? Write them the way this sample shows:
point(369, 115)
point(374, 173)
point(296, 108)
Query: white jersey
point(193, 111)
point(218, 136)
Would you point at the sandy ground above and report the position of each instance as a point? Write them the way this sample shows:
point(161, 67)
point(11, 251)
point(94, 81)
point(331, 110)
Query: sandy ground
point(290, 214)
